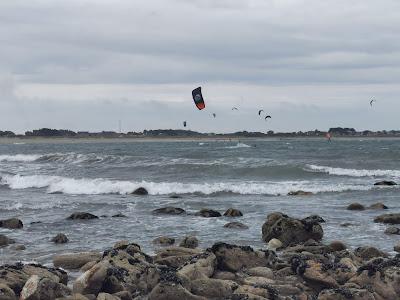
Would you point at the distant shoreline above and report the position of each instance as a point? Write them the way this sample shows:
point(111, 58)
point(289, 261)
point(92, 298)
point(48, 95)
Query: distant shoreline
point(22, 140)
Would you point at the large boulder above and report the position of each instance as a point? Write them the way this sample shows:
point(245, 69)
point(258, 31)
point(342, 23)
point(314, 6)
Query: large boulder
point(82, 216)
point(232, 212)
point(164, 241)
point(5, 241)
point(92, 280)
point(385, 183)
point(234, 258)
point(15, 276)
point(172, 291)
point(200, 266)
point(43, 288)
point(213, 288)
point(300, 193)
point(208, 213)
point(169, 210)
point(236, 225)
point(189, 242)
point(367, 253)
point(6, 293)
point(75, 260)
point(388, 219)
point(355, 206)
point(12, 223)
point(140, 191)
point(291, 231)
point(60, 238)
point(378, 206)
point(392, 230)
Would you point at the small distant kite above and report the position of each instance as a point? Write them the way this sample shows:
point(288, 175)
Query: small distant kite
point(260, 111)
point(184, 123)
point(371, 102)
point(234, 108)
point(267, 117)
point(214, 115)
point(198, 98)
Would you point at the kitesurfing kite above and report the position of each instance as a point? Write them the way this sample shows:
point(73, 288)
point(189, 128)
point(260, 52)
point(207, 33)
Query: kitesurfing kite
point(267, 117)
point(198, 98)
point(260, 111)
point(214, 115)
point(184, 123)
point(372, 101)
point(234, 108)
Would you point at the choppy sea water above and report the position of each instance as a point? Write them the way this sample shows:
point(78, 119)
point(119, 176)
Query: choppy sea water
point(46, 182)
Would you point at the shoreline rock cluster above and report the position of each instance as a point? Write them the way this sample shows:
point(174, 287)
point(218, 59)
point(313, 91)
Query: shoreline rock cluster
point(295, 264)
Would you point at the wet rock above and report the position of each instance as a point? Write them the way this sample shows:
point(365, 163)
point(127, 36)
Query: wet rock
point(213, 288)
point(344, 293)
point(233, 258)
point(366, 252)
point(18, 247)
point(37, 288)
point(169, 210)
point(337, 246)
point(236, 225)
point(200, 266)
point(300, 193)
point(388, 219)
point(347, 224)
point(5, 241)
point(315, 274)
point(164, 241)
point(87, 266)
point(82, 216)
point(75, 260)
point(106, 296)
point(385, 183)
point(175, 196)
point(290, 231)
point(208, 213)
point(223, 275)
point(189, 242)
point(15, 276)
point(119, 215)
point(274, 244)
point(378, 205)
point(12, 223)
point(355, 206)
point(124, 295)
point(392, 230)
point(397, 248)
point(60, 238)
point(232, 212)
point(140, 191)
point(6, 293)
point(172, 291)
point(92, 280)
point(261, 272)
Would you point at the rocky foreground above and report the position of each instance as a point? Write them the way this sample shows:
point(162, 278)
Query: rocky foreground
point(293, 265)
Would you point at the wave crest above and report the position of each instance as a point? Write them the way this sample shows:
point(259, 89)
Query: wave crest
point(95, 186)
point(354, 172)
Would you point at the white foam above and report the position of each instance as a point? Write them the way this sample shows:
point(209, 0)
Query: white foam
point(238, 145)
point(88, 186)
point(354, 172)
point(20, 157)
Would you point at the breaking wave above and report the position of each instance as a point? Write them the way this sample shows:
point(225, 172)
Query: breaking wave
point(20, 157)
point(354, 172)
point(89, 186)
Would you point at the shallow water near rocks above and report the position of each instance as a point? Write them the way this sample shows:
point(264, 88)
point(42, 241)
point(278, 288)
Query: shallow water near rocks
point(46, 182)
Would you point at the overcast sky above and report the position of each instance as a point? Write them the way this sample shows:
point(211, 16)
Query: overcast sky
point(84, 65)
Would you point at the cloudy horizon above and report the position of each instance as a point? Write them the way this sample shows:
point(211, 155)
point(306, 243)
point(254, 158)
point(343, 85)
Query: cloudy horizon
point(85, 65)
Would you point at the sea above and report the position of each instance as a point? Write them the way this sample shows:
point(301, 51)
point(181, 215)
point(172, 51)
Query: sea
point(42, 182)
